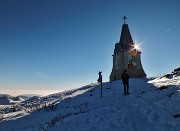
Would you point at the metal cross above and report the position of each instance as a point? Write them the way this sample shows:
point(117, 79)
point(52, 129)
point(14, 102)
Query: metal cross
point(124, 19)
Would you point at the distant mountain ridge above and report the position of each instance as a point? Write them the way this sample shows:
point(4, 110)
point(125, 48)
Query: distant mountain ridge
point(10, 100)
point(6, 99)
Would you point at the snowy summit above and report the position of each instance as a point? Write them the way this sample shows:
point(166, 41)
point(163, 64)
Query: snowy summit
point(153, 105)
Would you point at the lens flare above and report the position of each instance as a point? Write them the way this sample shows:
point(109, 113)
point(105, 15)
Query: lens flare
point(136, 47)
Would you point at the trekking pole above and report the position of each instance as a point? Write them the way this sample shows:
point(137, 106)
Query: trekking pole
point(101, 88)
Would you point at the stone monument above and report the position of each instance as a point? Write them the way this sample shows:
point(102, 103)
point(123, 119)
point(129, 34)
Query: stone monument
point(126, 56)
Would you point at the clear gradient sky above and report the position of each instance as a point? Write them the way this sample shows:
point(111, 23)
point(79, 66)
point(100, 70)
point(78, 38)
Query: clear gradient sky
point(62, 44)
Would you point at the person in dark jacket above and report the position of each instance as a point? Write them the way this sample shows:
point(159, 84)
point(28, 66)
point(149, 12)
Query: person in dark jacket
point(125, 80)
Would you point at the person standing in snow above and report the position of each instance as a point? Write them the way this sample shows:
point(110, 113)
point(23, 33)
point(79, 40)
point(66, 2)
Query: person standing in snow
point(125, 80)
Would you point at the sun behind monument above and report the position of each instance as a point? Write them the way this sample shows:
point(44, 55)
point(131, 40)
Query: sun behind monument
point(137, 46)
point(126, 56)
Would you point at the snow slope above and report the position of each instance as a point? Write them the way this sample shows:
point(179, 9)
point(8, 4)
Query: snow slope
point(148, 108)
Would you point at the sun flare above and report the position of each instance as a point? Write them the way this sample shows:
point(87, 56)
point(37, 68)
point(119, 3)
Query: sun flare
point(137, 46)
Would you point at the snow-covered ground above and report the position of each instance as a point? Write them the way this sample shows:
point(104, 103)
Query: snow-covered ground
point(148, 108)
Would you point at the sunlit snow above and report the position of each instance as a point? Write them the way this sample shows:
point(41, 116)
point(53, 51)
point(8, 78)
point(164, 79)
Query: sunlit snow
point(148, 108)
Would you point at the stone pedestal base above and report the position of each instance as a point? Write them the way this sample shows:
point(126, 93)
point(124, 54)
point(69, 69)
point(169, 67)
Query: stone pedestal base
point(133, 73)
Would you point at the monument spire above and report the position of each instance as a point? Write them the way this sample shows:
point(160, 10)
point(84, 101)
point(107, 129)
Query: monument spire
point(125, 57)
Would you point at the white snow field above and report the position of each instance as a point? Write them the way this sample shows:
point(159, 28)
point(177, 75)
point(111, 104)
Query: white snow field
point(151, 106)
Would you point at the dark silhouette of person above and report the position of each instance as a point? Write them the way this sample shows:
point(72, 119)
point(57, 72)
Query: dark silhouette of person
point(125, 80)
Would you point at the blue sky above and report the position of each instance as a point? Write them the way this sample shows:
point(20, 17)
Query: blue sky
point(62, 44)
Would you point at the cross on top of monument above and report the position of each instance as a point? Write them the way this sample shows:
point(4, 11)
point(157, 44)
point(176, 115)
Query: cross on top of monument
point(124, 18)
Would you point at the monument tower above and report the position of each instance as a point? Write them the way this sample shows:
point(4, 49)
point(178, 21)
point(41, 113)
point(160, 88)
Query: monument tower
point(126, 56)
